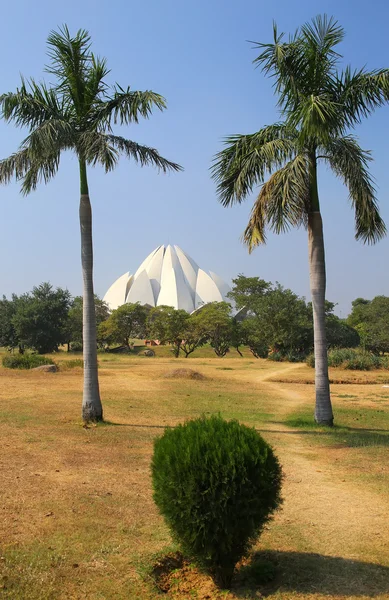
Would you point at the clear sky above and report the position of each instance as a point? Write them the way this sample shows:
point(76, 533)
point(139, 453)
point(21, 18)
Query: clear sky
point(195, 53)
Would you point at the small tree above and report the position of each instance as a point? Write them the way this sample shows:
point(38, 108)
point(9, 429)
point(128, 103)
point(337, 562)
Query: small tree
point(169, 326)
point(8, 336)
point(74, 330)
point(371, 318)
point(193, 336)
point(252, 336)
point(126, 322)
point(215, 322)
point(217, 484)
point(40, 319)
point(277, 317)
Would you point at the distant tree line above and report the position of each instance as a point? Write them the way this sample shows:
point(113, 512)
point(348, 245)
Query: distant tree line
point(267, 318)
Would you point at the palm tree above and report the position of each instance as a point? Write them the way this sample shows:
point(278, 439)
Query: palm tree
point(319, 105)
point(77, 114)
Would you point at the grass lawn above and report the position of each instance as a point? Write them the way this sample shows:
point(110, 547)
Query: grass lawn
point(77, 515)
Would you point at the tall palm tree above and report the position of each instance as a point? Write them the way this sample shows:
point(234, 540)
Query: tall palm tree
point(77, 114)
point(319, 105)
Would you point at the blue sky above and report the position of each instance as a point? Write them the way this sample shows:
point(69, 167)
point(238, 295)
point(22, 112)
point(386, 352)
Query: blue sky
point(196, 54)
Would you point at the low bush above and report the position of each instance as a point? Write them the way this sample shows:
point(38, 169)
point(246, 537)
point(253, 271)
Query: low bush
point(25, 361)
point(76, 346)
point(216, 483)
point(310, 360)
point(72, 364)
point(353, 359)
point(276, 356)
point(339, 356)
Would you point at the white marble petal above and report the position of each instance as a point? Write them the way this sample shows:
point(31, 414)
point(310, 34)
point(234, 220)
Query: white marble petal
point(189, 268)
point(154, 271)
point(146, 262)
point(116, 295)
point(206, 290)
point(141, 290)
point(223, 287)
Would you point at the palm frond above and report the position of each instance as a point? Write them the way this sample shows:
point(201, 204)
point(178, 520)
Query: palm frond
point(283, 202)
point(323, 33)
point(96, 148)
point(126, 106)
point(29, 169)
point(317, 119)
point(51, 137)
point(350, 163)
point(32, 104)
point(41, 169)
point(144, 155)
point(248, 158)
point(360, 92)
point(70, 62)
point(282, 61)
point(15, 165)
point(94, 83)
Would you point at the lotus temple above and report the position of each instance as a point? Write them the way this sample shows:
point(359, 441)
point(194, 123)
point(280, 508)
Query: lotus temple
point(168, 276)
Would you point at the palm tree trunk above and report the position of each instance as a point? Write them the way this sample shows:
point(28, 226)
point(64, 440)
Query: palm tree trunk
point(92, 409)
point(317, 279)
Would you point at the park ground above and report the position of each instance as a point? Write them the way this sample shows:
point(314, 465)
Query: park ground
point(77, 519)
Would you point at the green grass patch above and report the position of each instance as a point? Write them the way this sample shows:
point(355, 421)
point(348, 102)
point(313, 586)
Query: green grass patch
point(354, 427)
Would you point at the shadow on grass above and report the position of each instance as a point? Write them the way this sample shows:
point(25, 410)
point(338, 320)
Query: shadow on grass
point(138, 425)
point(308, 573)
point(352, 437)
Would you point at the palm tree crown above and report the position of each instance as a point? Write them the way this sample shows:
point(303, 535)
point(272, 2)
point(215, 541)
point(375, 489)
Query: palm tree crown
point(319, 105)
point(77, 114)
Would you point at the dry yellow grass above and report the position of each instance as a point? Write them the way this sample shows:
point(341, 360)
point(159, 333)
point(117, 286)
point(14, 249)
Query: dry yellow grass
point(77, 516)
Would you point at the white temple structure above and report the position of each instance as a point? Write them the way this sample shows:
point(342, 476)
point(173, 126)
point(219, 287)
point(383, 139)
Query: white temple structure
point(168, 277)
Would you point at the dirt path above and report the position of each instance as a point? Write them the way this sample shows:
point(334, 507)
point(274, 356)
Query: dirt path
point(341, 517)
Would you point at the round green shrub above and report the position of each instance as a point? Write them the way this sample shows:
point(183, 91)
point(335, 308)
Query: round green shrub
point(25, 361)
point(216, 483)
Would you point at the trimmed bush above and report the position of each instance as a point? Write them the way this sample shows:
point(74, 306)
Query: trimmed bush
point(25, 361)
point(216, 483)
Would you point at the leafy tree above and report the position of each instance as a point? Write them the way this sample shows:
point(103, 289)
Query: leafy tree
point(252, 335)
point(371, 319)
point(193, 336)
point(74, 330)
point(77, 114)
point(247, 292)
point(169, 326)
point(126, 322)
point(319, 105)
point(8, 336)
point(40, 319)
point(215, 323)
point(276, 317)
point(339, 334)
